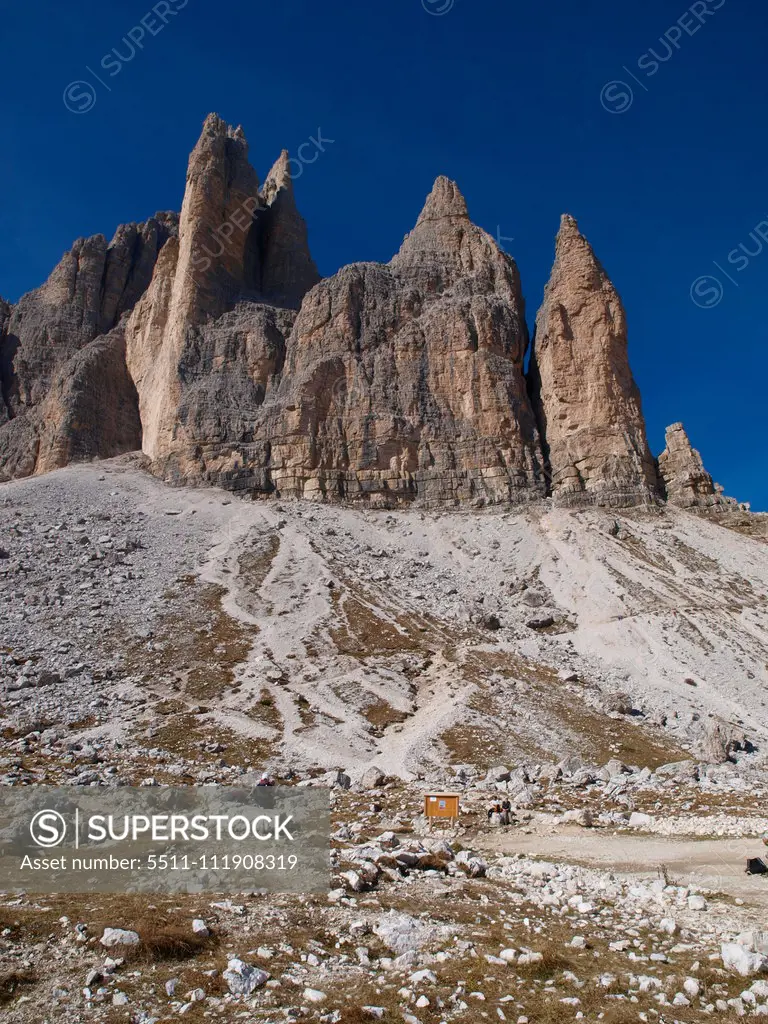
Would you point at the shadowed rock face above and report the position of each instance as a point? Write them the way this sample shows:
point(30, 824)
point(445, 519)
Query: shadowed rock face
point(288, 270)
point(85, 296)
point(686, 482)
point(91, 411)
point(586, 401)
point(88, 293)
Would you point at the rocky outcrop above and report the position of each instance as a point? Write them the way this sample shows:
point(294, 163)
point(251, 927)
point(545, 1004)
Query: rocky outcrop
point(395, 384)
point(405, 382)
point(90, 411)
point(288, 270)
point(47, 353)
point(685, 481)
point(211, 340)
point(586, 401)
point(204, 343)
point(91, 288)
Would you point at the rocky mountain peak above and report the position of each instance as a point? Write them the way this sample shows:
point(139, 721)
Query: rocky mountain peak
point(218, 252)
point(130, 262)
point(447, 256)
point(685, 481)
point(444, 201)
point(575, 260)
point(279, 178)
point(235, 364)
point(221, 153)
point(405, 382)
point(208, 337)
point(66, 391)
point(288, 270)
point(587, 403)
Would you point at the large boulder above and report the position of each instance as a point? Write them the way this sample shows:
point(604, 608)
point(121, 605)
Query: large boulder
point(742, 960)
point(372, 778)
point(242, 979)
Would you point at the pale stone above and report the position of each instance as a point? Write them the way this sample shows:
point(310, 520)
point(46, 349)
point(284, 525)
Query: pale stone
point(119, 937)
point(585, 397)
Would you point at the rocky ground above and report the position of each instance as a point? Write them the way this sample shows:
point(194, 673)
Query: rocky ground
point(417, 927)
point(606, 672)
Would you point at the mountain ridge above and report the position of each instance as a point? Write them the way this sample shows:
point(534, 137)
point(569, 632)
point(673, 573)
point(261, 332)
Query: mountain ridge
point(233, 363)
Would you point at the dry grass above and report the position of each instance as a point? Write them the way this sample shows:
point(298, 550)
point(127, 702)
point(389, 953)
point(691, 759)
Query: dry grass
point(196, 641)
point(166, 940)
point(255, 565)
point(183, 735)
point(11, 981)
point(479, 745)
point(266, 713)
point(381, 714)
point(521, 710)
point(485, 912)
point(365, 634)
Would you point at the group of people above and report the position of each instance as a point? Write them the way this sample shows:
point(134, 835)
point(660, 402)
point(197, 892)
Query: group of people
point(500, 814)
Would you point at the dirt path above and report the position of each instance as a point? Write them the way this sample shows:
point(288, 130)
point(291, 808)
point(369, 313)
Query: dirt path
point(716, 864)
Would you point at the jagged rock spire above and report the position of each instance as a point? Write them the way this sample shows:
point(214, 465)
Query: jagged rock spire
point(686, 482)
point(278, 178)
point(441, 225)
point(585, 398)
point(288, 270)
point(215, 261)
point(218, 250)
point(444, 201)
point(445, 250)
point(200, 379)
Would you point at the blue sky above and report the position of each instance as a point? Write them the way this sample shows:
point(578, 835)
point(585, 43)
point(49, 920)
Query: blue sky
point(645, 121)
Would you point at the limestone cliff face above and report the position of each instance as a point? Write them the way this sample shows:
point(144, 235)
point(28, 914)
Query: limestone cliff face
point(91, 289)
point(209, 335)
point(685, 481)
point(91, 411)
point(405, 382)
point(586, 400)
point(394, 383)
point(288, 270)
point(85, 296)
point(210, 341)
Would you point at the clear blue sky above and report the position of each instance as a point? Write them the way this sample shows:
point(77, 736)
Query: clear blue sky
point(504, 97)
